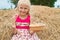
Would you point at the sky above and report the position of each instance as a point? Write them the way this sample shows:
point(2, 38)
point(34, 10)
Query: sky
point(57, 3)
point(7, 4)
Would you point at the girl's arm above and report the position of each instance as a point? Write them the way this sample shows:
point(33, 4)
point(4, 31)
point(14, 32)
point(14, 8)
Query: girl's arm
point(14, 31)
point(37, 27)
point(14, 28)
point(31, 31)
point(14, 24)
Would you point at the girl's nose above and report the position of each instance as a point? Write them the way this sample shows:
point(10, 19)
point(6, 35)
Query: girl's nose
point(23, 10)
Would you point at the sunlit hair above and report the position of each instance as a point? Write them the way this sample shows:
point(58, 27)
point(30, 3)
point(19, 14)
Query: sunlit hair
point(27, 2)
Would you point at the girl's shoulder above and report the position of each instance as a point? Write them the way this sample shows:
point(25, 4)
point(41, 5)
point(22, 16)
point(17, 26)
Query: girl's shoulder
point(15, 16)
point(28, 15)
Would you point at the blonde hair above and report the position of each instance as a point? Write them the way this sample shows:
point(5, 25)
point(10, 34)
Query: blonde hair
point(27, 2)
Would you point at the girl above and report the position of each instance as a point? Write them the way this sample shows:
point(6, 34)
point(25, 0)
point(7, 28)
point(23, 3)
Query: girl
point(22, 22)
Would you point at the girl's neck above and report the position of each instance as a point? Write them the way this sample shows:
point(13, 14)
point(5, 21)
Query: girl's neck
point(23, 16)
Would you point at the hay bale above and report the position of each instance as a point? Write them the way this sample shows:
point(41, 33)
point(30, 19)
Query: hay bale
point(50, 16)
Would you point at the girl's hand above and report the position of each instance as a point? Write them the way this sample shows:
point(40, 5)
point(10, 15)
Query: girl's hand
point(19, 33)
point(14, 31)
point(32, 32)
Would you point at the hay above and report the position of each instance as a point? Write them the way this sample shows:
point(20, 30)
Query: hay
point(47, 15)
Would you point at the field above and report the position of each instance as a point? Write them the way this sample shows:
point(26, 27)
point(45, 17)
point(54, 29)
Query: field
point(47, 15)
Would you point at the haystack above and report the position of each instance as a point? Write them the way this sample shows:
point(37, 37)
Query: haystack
point(47, 15)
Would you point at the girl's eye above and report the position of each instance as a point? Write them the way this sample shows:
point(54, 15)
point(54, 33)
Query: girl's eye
point(21, 8)
point(25, 8)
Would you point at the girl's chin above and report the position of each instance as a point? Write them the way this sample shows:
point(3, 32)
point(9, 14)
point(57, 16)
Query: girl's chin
point(23, 14)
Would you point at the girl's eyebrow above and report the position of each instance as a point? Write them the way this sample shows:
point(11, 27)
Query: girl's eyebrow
point(25, 8)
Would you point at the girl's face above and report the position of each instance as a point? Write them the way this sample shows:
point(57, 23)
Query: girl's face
point(24, 9)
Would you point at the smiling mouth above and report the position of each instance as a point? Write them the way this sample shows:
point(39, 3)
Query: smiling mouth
point(22, 12)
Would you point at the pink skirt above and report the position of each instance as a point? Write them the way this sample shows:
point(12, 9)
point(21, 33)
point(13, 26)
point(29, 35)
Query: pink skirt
point(25, 35)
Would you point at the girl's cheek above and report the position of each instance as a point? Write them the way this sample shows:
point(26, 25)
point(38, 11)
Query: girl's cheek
point(20, 10)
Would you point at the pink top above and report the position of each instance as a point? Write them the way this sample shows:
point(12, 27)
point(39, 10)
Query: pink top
point(23, 23)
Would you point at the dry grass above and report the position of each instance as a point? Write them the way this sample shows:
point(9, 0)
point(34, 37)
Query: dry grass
point(50, 16)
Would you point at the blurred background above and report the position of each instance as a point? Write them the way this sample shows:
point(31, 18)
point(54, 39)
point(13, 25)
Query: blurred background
point(9, 4)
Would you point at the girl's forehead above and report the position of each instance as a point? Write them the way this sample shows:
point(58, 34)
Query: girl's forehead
point(23, 5)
